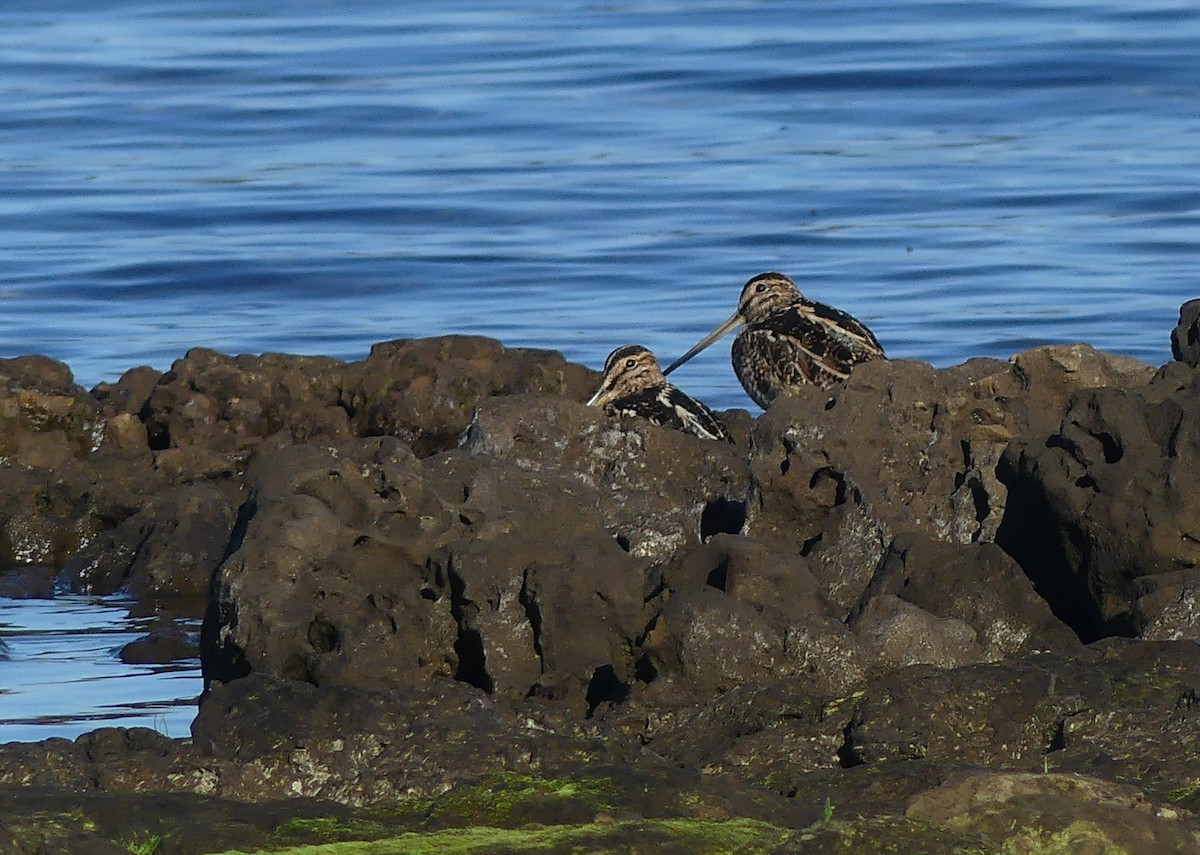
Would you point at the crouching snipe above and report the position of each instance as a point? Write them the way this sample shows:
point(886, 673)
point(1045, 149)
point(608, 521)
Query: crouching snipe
point(634, 385)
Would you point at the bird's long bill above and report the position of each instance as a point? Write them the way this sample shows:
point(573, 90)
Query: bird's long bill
point(736, 321)
point(602, 396)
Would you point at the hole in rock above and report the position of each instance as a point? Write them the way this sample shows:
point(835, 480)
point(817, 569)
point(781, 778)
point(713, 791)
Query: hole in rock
point(472, 663)
point(718, 577)
point(1058, 737)
point(809, 545)
point(848, 755)
point(468, 646)
point(785, 466)
point(644, 670)
point(605, 686)
point(323, 636)
point(722, 516)
point(623, 542)
point(979, 497)
point(831, 484)
point(245, 513)
point(158, 436)
point(1111, 447)
point(533, 612)
point(1052, 554)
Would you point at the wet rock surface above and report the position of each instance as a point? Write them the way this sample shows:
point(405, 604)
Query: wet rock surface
point(940, 610)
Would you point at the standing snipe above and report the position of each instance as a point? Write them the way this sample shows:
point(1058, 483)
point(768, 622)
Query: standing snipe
point(634, 385)
point(789, 340)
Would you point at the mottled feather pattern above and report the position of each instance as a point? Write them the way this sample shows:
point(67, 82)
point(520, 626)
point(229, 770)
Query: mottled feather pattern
point(668, 407)
point(634, 385)
point(789, 340)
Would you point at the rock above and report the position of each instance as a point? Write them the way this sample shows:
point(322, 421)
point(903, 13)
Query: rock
point(45, 418)
point(705, 642)
point(899, 633)
point(168, 549)
point(325, 581)
point(425, 390)
point(1185, 338)
point(281, 739)
point(29, 581)
point(45, 514)
point(976, 584)
point(555, 616)
point(1138, 724)
point(129, 394)
point(230, 404)
point(658, 490)
point(749, 570)
point(903, 447)
point(1107, 499)
point(361, 565)
point(1022, 811)
point(1168, 605)
point(806, 641)
point(165, 644)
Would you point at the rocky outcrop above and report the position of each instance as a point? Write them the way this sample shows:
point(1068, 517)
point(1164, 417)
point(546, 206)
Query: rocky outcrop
point(229, 405)
point(1185, 338)
point(426, 390)
point(904, 447)
point(972, 596)
point(897, 610)
point(1107, 500)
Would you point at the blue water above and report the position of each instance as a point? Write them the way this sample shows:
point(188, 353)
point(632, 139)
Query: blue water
point(60, 675)
point(967, 178)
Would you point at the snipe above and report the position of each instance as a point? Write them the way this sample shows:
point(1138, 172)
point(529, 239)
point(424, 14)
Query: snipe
point(634, 385)
point(789, 340)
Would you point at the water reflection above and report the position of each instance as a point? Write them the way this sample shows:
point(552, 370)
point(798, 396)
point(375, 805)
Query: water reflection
point(61, 675)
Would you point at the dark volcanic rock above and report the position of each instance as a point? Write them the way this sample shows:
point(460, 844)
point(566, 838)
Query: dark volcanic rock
point(705, 642)
point(1110, 497)
point(735, 611)
point(1119, 706)
point(809, 632)
point(1077, 813)
point(902, 447)
point(165, 644)
point(283, 738)
point(1168, 605)
point(229, 404)
point(169, 548)
point(48, 425)
point(129, 394)
point(45, 418)
point(658, 490)
point(1185, 338)
point(977, 586)
point(29, 581)
point(362, 565)
point(328, 581)
point(749, 570)
point(425, 390)
point(899, 633)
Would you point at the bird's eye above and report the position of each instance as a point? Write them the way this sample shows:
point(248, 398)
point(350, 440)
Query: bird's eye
point(762, 286)
point(629, 363)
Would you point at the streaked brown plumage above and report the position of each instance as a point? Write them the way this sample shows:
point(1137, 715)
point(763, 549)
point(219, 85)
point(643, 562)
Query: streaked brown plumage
point(789, 340)
point(634, 385)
